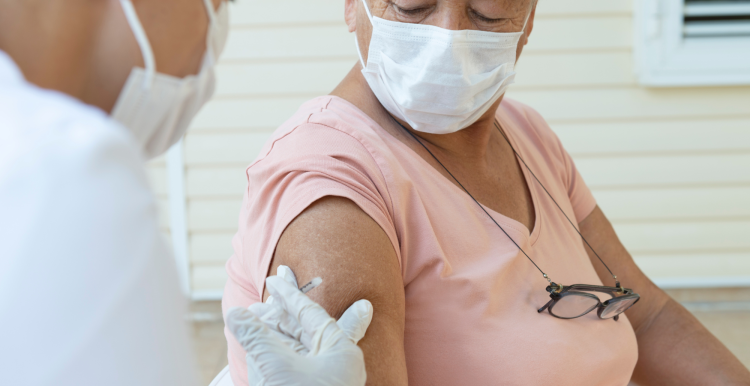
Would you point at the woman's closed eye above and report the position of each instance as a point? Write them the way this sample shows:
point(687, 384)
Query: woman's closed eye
point(487, 20)
point(417, 12)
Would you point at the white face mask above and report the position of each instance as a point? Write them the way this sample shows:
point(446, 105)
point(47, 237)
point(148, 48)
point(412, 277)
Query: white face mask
point(437, 80)
point(158, 108)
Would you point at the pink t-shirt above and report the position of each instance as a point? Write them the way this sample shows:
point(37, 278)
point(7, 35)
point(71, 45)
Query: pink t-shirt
point(471, 296)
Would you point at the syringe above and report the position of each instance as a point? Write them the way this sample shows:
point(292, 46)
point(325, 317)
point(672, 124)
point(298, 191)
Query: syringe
point(312, 284)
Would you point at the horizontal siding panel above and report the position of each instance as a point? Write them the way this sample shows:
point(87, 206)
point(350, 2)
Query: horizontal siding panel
point(219, 215)
point(548, 70)
point(555, 8)
point(211, 248)
point(206, 278)
point(575, 34)
point(249, 13)
point(672, 237)
point(283, 12)
point(648, 137)
point(216, 182)
point(334, 41)
point(233, 148)
point(290, 42)
point(320, 77)
point(695, 265)
point(655, 204)
point(315, 78)
point(630, 172)
point(611, 104)
point(248, 114)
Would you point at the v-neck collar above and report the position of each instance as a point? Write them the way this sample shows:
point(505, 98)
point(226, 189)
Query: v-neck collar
point(502, 219)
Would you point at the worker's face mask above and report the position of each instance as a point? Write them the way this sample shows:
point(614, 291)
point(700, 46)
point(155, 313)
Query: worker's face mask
point(158, 108)
point(438, 81)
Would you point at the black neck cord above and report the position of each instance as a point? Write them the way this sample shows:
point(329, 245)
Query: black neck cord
point(490, 216)
point(497, 126)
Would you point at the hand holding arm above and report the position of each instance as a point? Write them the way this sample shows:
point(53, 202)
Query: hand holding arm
point(329, 357)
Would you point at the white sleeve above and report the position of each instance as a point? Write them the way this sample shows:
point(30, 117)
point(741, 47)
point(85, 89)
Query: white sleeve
point(88, 290)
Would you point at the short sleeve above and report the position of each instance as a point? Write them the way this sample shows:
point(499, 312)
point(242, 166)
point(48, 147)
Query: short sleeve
point(581, 198)
point(310, 162)
point(301, 164)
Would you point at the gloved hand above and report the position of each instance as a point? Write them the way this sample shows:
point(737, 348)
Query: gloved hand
point(353, 322)
point(299, 343)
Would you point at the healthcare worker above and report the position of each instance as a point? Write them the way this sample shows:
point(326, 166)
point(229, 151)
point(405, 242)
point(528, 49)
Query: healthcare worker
point(89, 90)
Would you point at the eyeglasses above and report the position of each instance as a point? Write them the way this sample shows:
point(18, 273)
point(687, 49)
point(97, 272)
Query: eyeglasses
point(570, 302)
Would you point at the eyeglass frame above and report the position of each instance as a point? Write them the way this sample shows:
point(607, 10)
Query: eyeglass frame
point(559, 291)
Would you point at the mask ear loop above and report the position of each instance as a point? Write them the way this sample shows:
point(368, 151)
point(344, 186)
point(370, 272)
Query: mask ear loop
point(526, 21)
point(211, 12)
point(367, 9)
point(212, 28)
point(140, 36)
point(356, 42)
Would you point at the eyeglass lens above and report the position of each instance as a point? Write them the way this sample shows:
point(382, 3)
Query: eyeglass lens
point(573, 305)
point(616, 308)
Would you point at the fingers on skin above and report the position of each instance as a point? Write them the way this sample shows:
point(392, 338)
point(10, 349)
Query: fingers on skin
point(314, 320)
point(356, 319)
point(285, 273)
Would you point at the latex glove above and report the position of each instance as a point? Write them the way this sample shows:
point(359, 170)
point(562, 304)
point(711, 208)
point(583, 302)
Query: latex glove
point(332, 358)
point(353, 322)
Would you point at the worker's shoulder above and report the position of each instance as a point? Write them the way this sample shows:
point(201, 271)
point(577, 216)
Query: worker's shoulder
point(50, 130)
point(55, 150)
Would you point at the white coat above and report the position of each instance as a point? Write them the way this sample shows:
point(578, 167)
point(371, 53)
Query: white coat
point(88, 290)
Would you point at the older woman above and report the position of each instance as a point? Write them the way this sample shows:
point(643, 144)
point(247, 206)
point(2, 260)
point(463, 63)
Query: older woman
point(457, 214)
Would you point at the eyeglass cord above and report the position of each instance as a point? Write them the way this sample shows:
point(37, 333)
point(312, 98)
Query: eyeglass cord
point(497, 126)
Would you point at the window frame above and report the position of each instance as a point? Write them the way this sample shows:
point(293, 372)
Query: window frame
point(665, 58)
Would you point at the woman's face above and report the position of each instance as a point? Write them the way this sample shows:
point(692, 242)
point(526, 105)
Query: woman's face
point(483, 15)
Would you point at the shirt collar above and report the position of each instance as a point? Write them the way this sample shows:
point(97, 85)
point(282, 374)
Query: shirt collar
point(9, 72)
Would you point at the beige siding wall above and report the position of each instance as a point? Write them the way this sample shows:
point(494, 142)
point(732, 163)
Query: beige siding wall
point(670, 167)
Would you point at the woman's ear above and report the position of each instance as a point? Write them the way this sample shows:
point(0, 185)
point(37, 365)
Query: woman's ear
point(350, 14)
point(530, 23)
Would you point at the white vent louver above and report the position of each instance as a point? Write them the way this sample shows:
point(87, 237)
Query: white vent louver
point(716, 18)
point(692, 42)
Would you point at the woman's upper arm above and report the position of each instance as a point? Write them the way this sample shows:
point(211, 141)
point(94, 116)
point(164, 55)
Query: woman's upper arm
point(334, 239)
